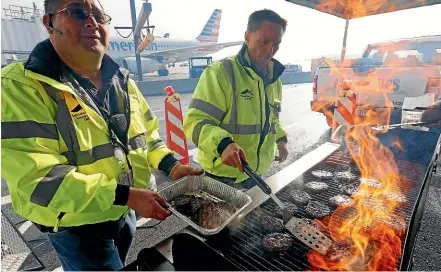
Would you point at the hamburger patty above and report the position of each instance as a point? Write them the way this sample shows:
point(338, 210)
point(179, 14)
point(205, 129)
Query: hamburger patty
point(371, 182)
point(345, 177)
point(348, 189)
point(316, 187)
point(321, 174)
point(270, 223)
point(317, 209)
point(277, 242)
point(299, 197)
point(338, 200)
point(292, 208)
point(396, 197)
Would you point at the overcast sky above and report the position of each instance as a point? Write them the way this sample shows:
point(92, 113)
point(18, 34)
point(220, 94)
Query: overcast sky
point(309, 34)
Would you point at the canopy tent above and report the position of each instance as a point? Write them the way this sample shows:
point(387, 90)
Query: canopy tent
point(350, 9)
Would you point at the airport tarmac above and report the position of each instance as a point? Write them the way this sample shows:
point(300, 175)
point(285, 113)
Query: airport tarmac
point(306, 130)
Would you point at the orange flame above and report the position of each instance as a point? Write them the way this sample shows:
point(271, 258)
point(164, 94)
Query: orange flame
point(368, 233)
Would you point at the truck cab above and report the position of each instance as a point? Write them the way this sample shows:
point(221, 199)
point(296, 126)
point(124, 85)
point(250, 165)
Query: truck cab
point(196, 65)
point(384, 76)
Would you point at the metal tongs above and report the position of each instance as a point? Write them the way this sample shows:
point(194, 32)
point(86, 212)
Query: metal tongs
point(338, 135)
point(302, 230)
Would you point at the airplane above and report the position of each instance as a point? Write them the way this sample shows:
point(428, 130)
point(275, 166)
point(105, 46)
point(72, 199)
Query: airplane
point(164, 51)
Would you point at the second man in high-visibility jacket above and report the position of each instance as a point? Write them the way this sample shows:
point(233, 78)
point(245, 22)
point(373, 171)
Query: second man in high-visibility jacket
point(235, 109)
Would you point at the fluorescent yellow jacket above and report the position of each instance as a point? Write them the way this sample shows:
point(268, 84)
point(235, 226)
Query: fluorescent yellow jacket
point(233, 103)
point(57, 156)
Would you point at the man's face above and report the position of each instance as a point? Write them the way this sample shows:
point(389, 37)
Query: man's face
point(264, 43)
point(82, 37)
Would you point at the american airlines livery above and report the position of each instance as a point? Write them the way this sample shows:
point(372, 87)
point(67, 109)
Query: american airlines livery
point(163, 51)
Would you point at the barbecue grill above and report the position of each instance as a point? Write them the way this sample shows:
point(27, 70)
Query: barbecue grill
point(242, 246)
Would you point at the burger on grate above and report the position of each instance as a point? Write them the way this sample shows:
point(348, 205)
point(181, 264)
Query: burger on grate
point(317, 209)
point(348, 189)
point(345, 177)
point(322, 174)
point(371, 182)
point(338, 200)
point(270, 223)
point(299, 197)
point(277, 242)
point(316, 187)
point(292, 208)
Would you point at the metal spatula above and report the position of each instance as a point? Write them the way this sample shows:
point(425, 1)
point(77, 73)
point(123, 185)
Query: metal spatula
point(306, 233)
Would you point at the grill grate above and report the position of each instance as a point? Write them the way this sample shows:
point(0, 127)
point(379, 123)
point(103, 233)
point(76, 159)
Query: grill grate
point(245, 249)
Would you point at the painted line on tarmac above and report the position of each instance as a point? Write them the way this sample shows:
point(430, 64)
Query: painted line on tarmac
point(6, 199)
point(23, 228)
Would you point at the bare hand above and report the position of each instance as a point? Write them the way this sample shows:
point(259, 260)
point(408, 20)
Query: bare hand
point(232, 154)
point(283, 152)
point(179, 170)
point(432, 114)
point(148, 204)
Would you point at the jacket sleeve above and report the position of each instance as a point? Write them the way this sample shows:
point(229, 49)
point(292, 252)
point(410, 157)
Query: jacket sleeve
point(282, 134)
point(157, 149)
point(32, 164)
point(207, 109)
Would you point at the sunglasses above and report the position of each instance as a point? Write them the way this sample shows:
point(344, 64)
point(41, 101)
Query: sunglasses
point(82, 15)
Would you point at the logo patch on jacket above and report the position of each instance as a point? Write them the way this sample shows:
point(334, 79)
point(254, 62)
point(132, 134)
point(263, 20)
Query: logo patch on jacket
point(247, 94)
point(79, 113)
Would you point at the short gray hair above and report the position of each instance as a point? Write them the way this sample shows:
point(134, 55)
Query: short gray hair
point(258, 17)
point(50, 6)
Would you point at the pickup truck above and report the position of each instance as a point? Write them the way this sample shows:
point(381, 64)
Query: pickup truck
point(386, 73)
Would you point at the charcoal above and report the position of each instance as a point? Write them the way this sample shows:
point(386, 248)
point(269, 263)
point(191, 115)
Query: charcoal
point(317, 209)
point(277, 242)
point(316, 187)
point(270, 223)
point(292, 208)
point(299, 197)
point(338, 200)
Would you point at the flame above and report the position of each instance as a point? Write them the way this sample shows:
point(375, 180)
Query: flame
point(369, 232)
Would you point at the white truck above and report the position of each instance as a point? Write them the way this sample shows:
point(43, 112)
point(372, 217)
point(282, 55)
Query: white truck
point(386, 73)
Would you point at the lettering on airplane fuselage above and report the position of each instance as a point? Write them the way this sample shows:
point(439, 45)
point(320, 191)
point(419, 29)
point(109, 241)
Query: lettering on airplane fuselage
point(130, 46)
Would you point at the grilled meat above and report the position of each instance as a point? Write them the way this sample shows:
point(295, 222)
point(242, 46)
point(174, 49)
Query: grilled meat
point(299, 197)
point(212, 215)
point(292, 208)
point(338, 200)
point(338, 251)
point(270, 223)
point(345, 177)
point(316, 187)
point(371, 182)
point(348, 189)
point(277, 242)
point(321, 174)
point(396, 197)
point(205, 213)
point(398, 225)
point(317, 209)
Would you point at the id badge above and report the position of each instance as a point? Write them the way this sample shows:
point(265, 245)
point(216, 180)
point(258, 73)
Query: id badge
point(126, 178)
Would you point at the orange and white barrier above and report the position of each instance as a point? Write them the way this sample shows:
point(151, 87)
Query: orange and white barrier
point(176, 140)
point(344, 111)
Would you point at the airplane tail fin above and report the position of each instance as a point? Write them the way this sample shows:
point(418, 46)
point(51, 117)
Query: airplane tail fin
point(210, 32)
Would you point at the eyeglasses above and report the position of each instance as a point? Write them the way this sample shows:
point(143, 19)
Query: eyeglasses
point(82, 15)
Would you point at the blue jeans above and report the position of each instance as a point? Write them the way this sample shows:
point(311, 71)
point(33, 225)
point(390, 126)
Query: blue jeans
point(103, 246)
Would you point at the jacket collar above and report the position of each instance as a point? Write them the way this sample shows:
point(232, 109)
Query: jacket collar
point(45, 61)
point(275, 67)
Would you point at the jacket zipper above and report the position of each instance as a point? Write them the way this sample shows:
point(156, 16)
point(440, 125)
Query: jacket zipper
point(265, 126)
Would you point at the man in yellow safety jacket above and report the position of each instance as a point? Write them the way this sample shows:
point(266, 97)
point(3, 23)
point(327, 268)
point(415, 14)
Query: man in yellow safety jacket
point(78, 141)
point(235, 109)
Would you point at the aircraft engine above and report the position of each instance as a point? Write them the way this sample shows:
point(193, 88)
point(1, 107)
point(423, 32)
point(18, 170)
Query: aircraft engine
point(148, 65)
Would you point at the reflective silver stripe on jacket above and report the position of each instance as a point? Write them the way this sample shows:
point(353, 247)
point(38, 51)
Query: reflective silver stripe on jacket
point(28, 129)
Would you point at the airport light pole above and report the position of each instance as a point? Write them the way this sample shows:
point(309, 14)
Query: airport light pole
point(136, 36)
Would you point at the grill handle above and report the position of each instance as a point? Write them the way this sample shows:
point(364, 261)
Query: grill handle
point(260, 182)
